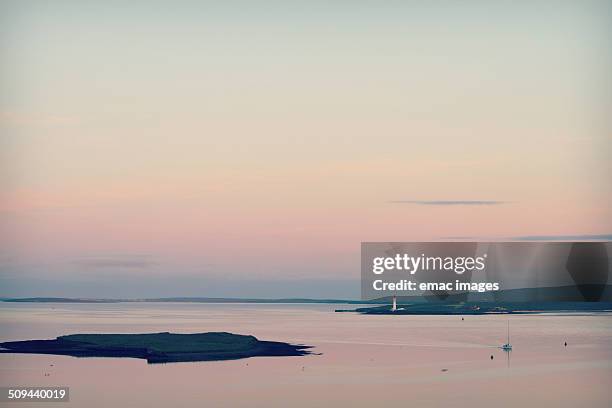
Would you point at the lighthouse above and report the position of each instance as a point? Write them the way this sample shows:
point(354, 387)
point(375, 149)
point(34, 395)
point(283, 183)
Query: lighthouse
point(394, 306)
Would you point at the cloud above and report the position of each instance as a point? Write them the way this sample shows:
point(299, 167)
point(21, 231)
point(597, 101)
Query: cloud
point(576, 237)
point(579, 237)
point(449, 202)
point(114, 263)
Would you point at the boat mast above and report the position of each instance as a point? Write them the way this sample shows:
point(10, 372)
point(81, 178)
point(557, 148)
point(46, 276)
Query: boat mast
point(508, 332)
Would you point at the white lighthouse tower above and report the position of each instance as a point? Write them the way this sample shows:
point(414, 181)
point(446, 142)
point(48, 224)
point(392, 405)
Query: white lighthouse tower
point(394, 306)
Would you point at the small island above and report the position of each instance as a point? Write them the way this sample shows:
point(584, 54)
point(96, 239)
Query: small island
point(158, 347)
point(482, 308)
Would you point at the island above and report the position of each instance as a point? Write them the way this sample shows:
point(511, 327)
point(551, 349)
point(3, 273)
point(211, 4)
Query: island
point(158, 347)
point(481, 308)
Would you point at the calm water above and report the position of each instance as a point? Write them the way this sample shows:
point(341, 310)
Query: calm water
point(365, 360)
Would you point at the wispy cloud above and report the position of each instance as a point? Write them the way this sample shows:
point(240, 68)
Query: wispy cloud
point(460, 238)
point(114, 263)
point(575, 237)
point(449, 202)
point(579, 237)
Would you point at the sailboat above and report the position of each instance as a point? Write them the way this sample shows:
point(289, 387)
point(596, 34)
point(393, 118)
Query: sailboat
point(507, 346)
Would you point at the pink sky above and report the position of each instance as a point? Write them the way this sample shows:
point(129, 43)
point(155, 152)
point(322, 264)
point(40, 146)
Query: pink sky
point(227, 143)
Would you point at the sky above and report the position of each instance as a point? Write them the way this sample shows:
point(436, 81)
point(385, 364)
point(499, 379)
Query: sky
point(247, 148)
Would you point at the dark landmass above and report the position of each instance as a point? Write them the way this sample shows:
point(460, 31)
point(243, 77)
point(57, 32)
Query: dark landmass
point(158, 347)
point(189, 300)
point(250, 300)
point(480, 308)
point(570, 293)
point(58, 300)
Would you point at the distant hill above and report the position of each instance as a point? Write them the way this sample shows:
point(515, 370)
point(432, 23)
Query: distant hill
point(185, 300)
point(572, 293)
point(481, 308)
point(57, 300)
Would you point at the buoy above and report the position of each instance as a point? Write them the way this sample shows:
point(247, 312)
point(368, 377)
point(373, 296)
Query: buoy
point(566, 344)
point(491, 356)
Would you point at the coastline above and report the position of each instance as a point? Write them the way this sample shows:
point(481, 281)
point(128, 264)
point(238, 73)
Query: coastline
point(484, 308)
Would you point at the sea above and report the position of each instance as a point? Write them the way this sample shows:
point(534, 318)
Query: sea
point(356, 361)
